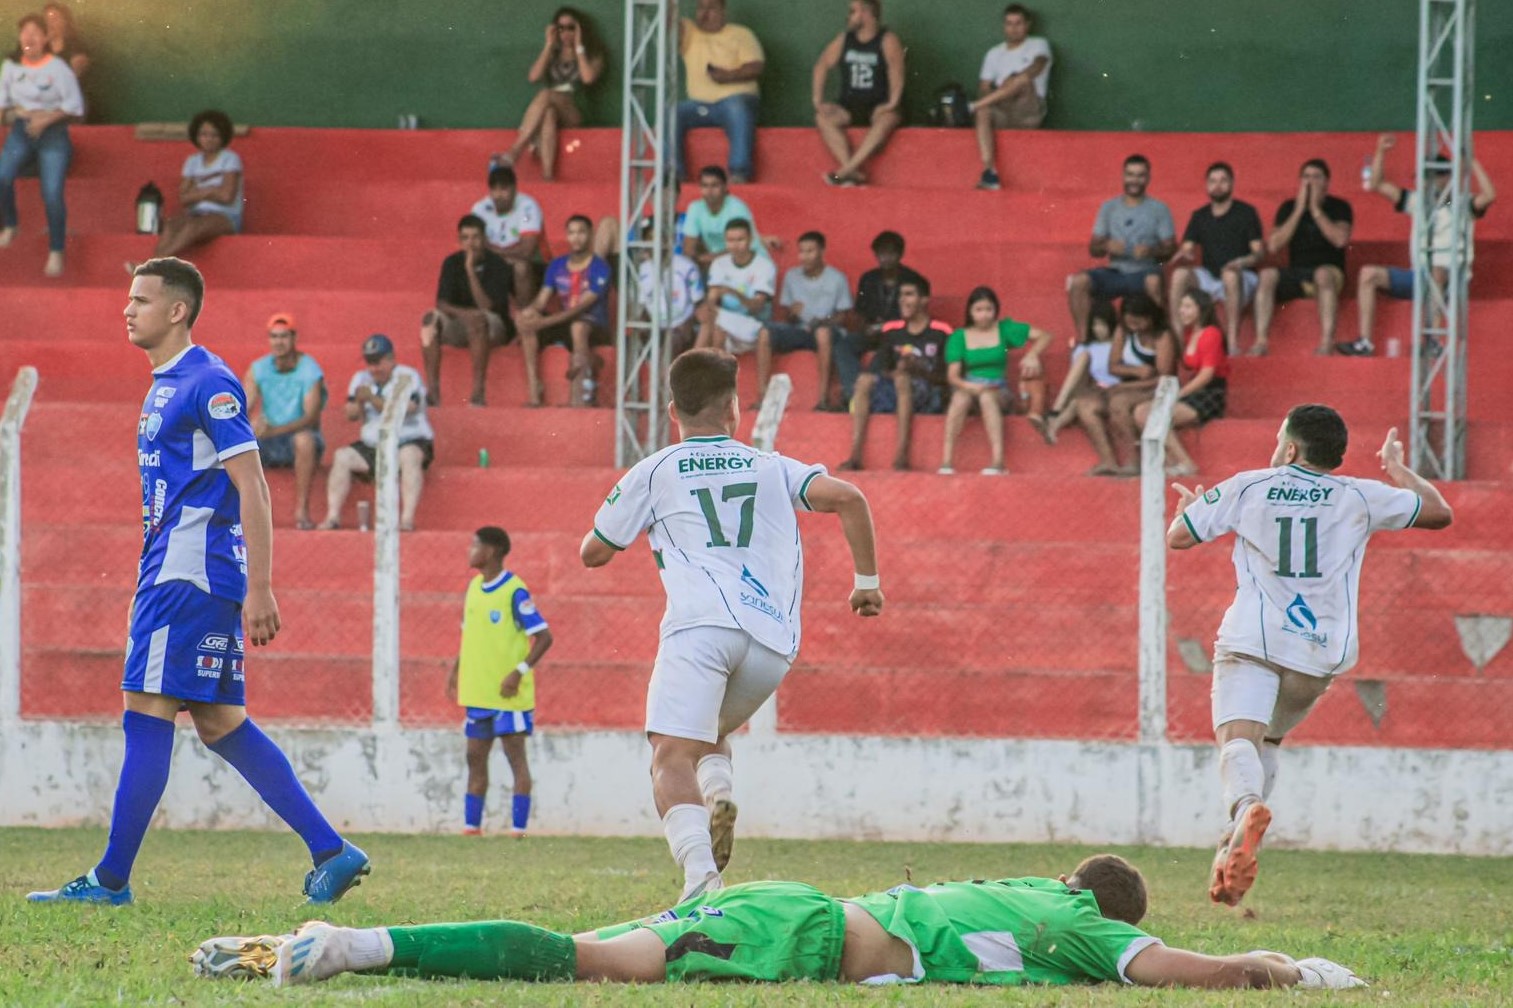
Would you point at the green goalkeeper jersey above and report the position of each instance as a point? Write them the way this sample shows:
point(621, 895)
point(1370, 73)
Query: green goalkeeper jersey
point(1012, 931)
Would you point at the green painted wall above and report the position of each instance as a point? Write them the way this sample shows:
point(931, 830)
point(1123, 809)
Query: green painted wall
point(1120, 64)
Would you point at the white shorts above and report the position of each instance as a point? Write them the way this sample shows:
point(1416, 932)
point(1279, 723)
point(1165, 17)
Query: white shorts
point(1214, 286)
point(740, 330)
point(1249, 689)
point(708, 681)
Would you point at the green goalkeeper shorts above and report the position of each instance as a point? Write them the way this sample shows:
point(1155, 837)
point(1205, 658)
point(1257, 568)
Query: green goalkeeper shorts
point(753, 931)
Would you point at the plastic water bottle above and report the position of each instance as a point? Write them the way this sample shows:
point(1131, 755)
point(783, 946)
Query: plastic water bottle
point(483, 458)
point(1394, 346)
point(364, 516)
point(1366, 173)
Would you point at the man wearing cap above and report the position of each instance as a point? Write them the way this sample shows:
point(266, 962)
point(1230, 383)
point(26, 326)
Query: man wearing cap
point(366, 394)
point(286, 391)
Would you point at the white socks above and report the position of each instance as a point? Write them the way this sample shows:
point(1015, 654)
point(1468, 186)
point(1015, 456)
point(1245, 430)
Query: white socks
point(716, 777)
point(1241, 774)
point(368, 948)
point(1270, 752)
point(687, 829)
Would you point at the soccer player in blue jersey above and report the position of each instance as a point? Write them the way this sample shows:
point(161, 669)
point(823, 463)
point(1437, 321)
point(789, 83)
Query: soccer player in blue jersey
point(504, 638)
point(204, 585)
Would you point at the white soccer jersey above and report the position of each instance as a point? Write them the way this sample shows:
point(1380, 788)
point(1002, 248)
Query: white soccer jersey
point(1300, 538)
point(504, 230)
point(720, 519)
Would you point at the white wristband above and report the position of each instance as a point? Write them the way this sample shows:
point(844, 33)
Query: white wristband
point(523, 668)
point(866, 582)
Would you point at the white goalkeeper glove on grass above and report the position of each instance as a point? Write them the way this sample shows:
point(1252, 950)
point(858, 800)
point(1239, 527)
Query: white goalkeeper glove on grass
point(1321, 974)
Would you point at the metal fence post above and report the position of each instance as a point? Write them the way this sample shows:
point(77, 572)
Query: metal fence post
point(386, 657)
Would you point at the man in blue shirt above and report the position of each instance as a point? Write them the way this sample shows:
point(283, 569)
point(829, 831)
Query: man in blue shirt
point(286, 392)
point(204, 585)
point(580, 282)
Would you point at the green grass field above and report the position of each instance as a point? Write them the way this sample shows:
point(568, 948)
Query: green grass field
point(1424, 930)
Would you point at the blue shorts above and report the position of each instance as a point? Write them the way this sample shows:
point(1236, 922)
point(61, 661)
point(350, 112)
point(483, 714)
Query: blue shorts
point(928, 397)
point(1111, 283)
point(278, 451)
point(1400, 283)
point(185, 643)
point(487, 723)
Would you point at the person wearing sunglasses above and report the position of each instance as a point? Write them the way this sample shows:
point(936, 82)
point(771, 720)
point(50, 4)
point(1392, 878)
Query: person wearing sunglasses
point(571, 59)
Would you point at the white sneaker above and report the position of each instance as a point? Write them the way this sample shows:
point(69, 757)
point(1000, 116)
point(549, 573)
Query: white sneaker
point(232, 958)
point(701, 887)
point(316, 951)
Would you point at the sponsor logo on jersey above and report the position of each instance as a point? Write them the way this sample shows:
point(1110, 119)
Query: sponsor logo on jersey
point(215, 642)
point(142, 425)
point(209, 663)
point(717, 463)
point(1300, 495)
point(495, 615)
point(162, 395)
point(1302, 622)
point(1211, 496)
point(223, 406)
point(527, 608)
point(159, 500)
point(237, 646)
point(614, 495)
point(151, 459)
point(761, 605)
point(749, 579)
point(154, 424)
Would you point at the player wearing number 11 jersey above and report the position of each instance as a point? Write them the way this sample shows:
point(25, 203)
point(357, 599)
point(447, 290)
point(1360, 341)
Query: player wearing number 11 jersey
point(1300, 538)
point(720, 517)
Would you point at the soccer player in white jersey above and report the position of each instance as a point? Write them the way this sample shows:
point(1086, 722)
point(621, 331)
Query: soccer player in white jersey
point(204, 586)
point(720, 518)
point(1300, 538)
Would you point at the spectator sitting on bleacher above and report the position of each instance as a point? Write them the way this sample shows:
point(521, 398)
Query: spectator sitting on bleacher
point(39, 95)
point(512, 226)
point(1011, 88)
point(571, 59)
point(210, 189)
point(721, 64)
point(977, 367)
point(286, 392)
point(815, 297)
point(1229, 233)
point(1314, 227)
point(682, 293)
point(63, 38)
point(876, 303)
point(580, 282)
point(1145, 350)
point(1083, 397)
point(1135, 232)
point(706, 218)
point(738, 303)
point(472, 309)
point(907, 376)
point(1398, 281)
point(366, 394)
point(871, 60)
point(1202, 397)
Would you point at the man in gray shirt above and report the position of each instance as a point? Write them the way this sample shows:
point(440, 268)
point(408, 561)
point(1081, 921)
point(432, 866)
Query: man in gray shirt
point(815, 296)
point(1135, 233)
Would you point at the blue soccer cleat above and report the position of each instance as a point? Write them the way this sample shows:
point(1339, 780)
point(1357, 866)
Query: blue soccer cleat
point(330, 880)
point(84, 889)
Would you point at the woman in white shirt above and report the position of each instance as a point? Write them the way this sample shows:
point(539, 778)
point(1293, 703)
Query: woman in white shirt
point(39, 95)
point(210, 188)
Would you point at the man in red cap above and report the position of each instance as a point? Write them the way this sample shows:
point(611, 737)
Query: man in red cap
point(286, 391)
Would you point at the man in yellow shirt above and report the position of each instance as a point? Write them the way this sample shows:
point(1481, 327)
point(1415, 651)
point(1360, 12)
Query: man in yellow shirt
point(721, 64)
point(503, 639)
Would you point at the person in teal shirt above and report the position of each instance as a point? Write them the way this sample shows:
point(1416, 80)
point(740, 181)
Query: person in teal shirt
point(977, 366)
point(286, 391)
point(1079, 928)
point(705, 220)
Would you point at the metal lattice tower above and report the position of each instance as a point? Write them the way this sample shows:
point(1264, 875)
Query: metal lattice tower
point(1446, 40)
point(648, 196)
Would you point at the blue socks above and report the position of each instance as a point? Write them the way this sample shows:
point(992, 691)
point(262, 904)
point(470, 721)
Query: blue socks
point(520, 811)
point(472, 811)
point(144, 775)
point(267, 769)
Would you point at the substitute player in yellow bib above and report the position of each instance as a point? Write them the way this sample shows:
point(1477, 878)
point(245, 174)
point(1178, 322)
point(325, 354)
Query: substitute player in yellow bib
point(1300, 539)
point(494, 677)
point(722, 523)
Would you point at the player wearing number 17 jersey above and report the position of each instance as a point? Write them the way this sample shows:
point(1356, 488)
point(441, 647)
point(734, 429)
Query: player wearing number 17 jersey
point(720, 517)
point(1300, 538)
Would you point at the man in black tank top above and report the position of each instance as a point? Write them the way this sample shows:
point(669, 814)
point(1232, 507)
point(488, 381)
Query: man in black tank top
point(871, 61)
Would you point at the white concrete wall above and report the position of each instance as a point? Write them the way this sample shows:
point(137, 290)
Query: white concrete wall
point(1444, 801)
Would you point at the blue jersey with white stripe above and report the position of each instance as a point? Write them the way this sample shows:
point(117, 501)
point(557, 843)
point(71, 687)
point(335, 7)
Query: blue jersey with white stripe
point(193, 419)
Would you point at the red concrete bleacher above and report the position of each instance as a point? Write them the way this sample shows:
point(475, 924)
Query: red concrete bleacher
point(1012, 602)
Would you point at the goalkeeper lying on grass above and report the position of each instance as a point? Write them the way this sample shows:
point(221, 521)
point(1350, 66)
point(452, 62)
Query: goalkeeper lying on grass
point(1029, 930)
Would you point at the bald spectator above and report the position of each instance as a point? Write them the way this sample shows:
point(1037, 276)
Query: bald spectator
point(871, 62)
point(721, 65)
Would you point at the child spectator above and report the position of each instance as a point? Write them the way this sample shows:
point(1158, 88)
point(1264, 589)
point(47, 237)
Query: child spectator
point(494, 677)
point(571, 60)
point(977, 361)
point(1083, 397)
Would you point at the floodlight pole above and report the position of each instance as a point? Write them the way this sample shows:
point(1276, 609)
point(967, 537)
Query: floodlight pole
point(1446, 78)
point(648, 196)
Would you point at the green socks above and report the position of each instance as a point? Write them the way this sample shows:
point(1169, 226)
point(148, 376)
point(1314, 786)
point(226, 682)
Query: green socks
point(490, 950)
